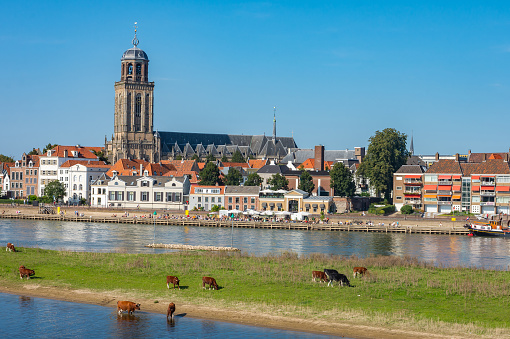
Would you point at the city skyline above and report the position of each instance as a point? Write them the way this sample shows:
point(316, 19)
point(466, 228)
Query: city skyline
point(336, 73)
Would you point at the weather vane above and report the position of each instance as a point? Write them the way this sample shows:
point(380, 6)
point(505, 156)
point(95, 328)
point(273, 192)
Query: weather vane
point(135, 39)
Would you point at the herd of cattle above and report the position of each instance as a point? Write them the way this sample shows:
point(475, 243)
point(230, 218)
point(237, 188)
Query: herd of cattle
point(328, 275)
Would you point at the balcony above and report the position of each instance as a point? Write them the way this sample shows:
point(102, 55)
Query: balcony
point(444, 202)
point(488, 193)
point(444, 182)
point(412, 192)
point(487, 183)
point(412, 202)
point(487, 203)
point(413, 182)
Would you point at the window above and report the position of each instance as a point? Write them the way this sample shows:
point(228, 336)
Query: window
point(138, 69)
point(81, 187)
point(112, 195)
point(252, 207)
point(430, 178)
point(229, 200)
point(213, 199)
point(252, 201)
point(237, 200)
point(145, 183)
point(158, 196)
point(475, 198)
point(399, 188)
point(130, 69)
point(131, 196)
point(74, 186)
point(206, 199)
point(245, 200)
point(398, 198)
point(145, 196)
point(219, 200)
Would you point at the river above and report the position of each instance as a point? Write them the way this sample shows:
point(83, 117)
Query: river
point(491, 253)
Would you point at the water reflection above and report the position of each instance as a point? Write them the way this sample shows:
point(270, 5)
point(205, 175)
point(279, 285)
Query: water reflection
point(131, 238)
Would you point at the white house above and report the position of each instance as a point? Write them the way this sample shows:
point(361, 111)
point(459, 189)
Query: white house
point(148, 192)
point(78, 175)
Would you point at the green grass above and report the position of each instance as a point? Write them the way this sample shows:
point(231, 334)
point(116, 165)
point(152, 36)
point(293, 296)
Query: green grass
point(401, 292)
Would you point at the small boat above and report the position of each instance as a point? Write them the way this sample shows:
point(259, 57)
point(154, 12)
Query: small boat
point(492, 228)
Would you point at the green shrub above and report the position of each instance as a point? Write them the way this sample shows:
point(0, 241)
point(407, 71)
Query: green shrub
point(406, 209)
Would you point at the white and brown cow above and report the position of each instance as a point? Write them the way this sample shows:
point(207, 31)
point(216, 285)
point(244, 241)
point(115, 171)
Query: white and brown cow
point(170, 279)
point(10, 247)
point(128, 306)
point(25, 272)
point(359, 270)
point(319, 275)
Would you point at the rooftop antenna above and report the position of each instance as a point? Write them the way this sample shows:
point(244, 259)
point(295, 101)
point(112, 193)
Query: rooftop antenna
point(135, 39)
point(274, 124)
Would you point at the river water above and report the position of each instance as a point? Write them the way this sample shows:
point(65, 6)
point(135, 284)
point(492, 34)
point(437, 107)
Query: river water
point(85, 236)
point(30, 317)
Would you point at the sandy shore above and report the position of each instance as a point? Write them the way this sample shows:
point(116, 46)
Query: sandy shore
point(246, 318)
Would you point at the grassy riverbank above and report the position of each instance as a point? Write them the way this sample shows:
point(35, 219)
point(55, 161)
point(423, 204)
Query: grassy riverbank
point(399, 293)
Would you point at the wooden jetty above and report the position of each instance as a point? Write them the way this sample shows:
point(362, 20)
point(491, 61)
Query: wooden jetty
point(415, 229)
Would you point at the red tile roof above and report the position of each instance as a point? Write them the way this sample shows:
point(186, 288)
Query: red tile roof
point(492, 166)
point(310, 164)
point(255, 163)
point(236, 164)
point(83, 151)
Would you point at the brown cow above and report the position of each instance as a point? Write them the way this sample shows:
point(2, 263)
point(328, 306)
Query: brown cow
point(209, 281)
point(359, 270)
point(10, 247)
point(128, 306)
point(319, 275)
point(170, 311)
point(171, 279)
point(25, 272)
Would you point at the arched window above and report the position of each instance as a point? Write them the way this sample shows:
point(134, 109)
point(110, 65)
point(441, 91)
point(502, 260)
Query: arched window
point(130, 69)
point(74, 187)
point(74, 178)
point(80, 179)
point(81, 187)
point(138, 111)
point(138, 69)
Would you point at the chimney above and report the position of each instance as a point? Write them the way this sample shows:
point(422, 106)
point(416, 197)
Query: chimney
point(437, 156)
point(484, 157)
point(65, 153)
point(457, 157)
point(359, 152)
point(469, 152)
point(141, 168)
point(319, 158)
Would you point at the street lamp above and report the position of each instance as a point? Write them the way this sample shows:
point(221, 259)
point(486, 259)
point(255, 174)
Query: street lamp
point(154, 219)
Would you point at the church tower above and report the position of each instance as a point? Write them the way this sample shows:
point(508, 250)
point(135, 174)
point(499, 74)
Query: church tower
point(134, 135)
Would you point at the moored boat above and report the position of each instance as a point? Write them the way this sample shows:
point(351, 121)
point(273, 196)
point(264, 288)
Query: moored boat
point(492, 228)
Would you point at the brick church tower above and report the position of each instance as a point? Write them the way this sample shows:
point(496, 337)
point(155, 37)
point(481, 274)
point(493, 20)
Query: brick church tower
point(134, 136)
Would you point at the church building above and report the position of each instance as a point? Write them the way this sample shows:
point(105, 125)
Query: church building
point(134, 136)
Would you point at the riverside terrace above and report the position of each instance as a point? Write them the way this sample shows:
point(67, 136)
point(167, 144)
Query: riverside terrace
point(354, 224)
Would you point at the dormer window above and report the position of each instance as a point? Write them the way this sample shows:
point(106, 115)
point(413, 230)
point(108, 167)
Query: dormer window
point(145, 183)
point(145, 172)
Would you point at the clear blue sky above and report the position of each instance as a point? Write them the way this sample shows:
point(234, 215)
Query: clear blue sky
point(337, 71)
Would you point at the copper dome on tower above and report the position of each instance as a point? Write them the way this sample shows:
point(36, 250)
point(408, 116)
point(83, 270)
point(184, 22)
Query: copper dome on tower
point(134, 53)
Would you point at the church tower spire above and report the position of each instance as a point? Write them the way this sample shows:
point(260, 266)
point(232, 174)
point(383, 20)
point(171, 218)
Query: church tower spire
point(411, 145)
point(274, 125)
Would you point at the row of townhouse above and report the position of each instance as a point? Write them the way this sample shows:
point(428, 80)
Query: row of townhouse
point(245, 198)
point(449, 185)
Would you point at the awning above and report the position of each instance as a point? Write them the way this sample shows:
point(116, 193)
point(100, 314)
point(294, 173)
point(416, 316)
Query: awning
point(279, 204)
point(456, 176)
point(503, 189)
point(264, 204)
point(456, 188)
point(475, 188)
point(323, 206)
point(444, 177)
point(414, 196)
point(488, 175)
point(429, 196)
point(430, 188)
point(487, 188)
point(307, 205)
point(475, 177)
point(413, 176)
point(445, 187)
point(271, 204)
point(314, 205)
point(456, 196)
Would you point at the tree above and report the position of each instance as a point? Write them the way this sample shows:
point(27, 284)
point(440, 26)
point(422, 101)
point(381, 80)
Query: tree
point(342, 181)
point(48, 147)
point(195, 157)
point(55, 190)
point(407, 209)
point(233, 177)
point(101, 156)
point(306, 182)
point(278, 181)
point(253, 180)
point(179, 157)
point(5, 158)
point(210, 158)
point(386, 154)
point(33, 152)
point(210, 175)
point(224, 158)
point(238, 157)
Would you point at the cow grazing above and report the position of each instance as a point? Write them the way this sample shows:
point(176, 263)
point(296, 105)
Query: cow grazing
point(333, 275)
point(319, 275)
point(170, 279)
point(359, 270)
point(10, 247)
point(170, 311)
point(25, 272)
point(209, 281)
point(128, 306)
